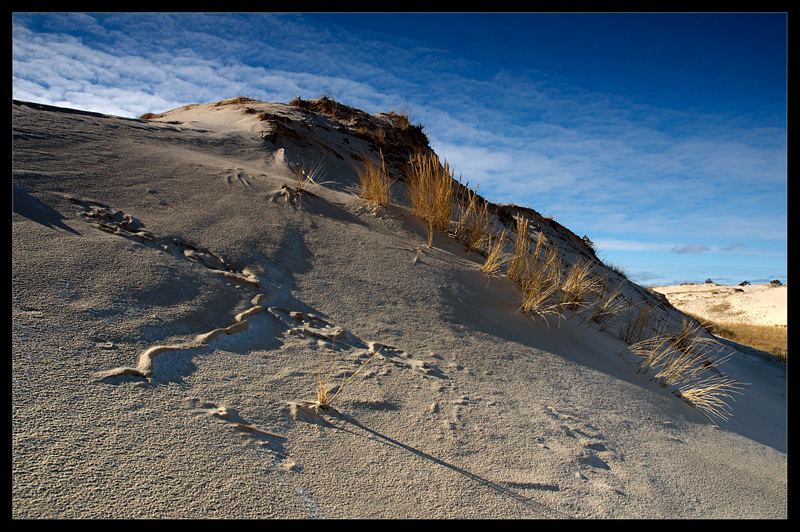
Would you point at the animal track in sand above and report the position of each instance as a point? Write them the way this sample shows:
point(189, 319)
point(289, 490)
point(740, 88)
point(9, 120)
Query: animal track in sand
point(118, 223)
point(313, 325)
point(238, 175)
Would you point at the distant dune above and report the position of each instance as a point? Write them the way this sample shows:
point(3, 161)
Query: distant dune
point(762, 304)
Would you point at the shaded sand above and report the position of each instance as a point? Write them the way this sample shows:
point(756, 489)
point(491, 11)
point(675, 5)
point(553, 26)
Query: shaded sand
point(184, 237)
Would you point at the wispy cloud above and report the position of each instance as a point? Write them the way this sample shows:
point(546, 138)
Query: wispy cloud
point(691, 248)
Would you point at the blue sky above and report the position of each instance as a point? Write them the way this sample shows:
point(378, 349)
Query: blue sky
point(662, 136)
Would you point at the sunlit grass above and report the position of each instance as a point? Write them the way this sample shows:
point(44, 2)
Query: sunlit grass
point(430, 191)
point(687, 363)
point(494, 257)
point(772, 339)
point(376, 184)
point(473, 224)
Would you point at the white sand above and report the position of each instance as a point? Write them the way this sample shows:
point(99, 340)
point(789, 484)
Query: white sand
point(470, 409)
point(761, 304)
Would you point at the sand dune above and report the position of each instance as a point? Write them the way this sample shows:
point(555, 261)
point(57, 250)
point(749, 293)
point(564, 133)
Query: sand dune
point(177, 302)
point(761, 304)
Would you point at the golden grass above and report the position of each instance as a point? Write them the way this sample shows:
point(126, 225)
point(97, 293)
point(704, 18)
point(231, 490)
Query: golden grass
point(520, 261)
point(538, 273)
point(494, 256)
point(578, 286)
point(376, 184)
point(430, 191)
point(473, 223)
point(324, 396)
point(607, 304)
point(772, 339)
point(637, 323)
point(686, 362)
point(306, 179)
point(710, 394)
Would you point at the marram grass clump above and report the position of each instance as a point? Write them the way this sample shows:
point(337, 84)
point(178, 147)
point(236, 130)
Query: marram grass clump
point(430, 191)
point(376, 184)
point(687, 363)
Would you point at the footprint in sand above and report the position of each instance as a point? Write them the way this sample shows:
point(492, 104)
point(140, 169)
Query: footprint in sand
point(592, 449)
point(238, 175)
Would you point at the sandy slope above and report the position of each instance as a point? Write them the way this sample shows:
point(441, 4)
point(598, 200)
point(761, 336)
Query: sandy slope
point(130, 235)
point(762, 304)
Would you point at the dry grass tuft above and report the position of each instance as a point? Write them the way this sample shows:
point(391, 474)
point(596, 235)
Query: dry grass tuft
point(686, 362)
point(473, 224)
point(325, 392)
point(542, 283)
point(494, 257)
point(375, 182)
point(607, 304)
point(710, 395)
point(538, 273)
point(305, 181)
point(520, 260)
point(578, 286)
point(637, 324)
point(430, 190)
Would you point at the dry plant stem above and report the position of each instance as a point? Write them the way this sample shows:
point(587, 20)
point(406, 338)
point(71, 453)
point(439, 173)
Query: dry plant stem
point(324, 400)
